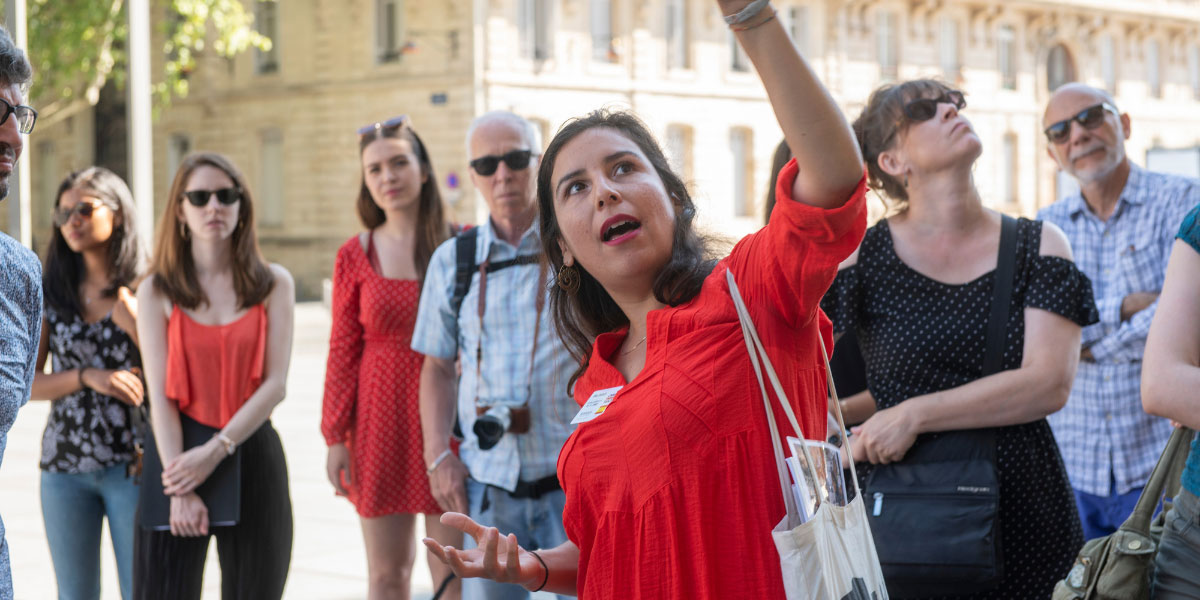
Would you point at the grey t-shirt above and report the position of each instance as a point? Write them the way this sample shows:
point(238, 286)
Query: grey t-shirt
point(20, 331)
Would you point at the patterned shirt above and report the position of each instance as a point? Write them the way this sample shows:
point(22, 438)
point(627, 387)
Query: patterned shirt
point(88, 431)
point(508, 328)
point(20, 332)
point(1103, 433)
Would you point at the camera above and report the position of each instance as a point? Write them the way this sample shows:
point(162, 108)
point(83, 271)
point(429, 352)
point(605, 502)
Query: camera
point(493, 421)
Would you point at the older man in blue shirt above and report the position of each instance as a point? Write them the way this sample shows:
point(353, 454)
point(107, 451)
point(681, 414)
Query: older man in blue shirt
point(1121, 225)
point(21, 275)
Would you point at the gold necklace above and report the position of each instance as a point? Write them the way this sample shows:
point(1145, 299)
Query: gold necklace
point(635, 346)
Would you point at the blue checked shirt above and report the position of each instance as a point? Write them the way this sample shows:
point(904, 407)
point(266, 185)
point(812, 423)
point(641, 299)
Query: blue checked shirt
point(507, 342)
point(20, 332)
point(1103, 433)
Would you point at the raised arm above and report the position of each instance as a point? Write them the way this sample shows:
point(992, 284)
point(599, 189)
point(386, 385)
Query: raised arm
point(815, 128)
point(1171, 368)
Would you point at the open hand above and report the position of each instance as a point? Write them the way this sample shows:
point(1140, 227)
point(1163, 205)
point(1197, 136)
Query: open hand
point(494, 557)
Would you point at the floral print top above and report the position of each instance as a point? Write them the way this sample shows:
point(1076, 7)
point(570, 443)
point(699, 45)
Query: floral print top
point(88, 431)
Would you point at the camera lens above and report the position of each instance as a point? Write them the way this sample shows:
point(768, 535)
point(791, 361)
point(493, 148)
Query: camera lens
point(491, 425)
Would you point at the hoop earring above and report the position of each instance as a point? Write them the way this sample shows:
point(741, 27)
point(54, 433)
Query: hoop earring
point(568, 279)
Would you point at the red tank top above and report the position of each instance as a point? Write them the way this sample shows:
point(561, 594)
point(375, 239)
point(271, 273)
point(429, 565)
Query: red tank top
point(213, 369)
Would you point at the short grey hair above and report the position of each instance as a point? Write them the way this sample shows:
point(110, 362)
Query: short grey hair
point(533, 136)
point(14, 65)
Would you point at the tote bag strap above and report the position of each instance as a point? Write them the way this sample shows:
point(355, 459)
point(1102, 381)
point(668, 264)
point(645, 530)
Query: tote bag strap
point(756, 350)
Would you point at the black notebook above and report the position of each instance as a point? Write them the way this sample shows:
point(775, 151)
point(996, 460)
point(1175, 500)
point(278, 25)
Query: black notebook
point(221, 492)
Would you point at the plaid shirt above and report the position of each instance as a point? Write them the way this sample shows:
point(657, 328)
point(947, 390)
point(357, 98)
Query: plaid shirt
point(1103, 433)
point(507, 341)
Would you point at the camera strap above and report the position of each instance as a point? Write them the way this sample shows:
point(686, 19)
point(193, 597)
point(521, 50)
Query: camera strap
point(539, 304)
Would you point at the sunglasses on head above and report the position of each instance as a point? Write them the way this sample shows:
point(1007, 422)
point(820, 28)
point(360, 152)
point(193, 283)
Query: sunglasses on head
point(923, 109)
point(25, 116)
point(388, 124)
point(225, 196)
point(62, 215)
point(1090, 117)
point(516, 160)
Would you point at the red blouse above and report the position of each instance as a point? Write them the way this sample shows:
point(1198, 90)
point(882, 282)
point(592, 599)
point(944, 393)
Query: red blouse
point(672, 492)
point(213, 369)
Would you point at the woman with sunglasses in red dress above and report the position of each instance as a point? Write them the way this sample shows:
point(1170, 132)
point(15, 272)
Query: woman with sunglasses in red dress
point(370, 418)
point(215, 322)
point(918, 295)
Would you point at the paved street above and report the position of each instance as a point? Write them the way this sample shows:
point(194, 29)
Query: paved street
point(328, 561)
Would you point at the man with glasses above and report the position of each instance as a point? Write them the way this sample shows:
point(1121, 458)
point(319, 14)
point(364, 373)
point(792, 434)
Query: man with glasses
point(1121, 225)
point(21, 276)
point(485, 303)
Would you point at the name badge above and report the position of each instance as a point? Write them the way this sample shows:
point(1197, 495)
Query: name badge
point(596, 405)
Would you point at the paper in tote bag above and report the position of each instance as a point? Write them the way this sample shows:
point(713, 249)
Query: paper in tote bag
point(832, 555)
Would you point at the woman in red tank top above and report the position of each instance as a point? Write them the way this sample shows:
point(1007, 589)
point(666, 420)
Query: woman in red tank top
point(370, 417)
point(671, 489)
point(215, 322)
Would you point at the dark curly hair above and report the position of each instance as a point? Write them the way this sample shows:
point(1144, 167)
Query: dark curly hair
point(580, 317)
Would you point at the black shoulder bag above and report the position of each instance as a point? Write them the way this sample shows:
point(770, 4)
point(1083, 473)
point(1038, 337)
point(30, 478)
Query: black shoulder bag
point(935, 514)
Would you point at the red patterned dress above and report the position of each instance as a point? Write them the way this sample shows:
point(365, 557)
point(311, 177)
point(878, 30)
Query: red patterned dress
point(372, 379)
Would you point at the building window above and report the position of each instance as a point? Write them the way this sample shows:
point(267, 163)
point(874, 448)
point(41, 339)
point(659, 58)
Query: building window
point(677, 35)
point(886, 45)
point(533, 24)
point(389, 30)
point(1108, 62)
point(179, 145)
point(949, 49)
point(270, 183)
point(741, 146)
point(738, 61)
point(1008, 170)
point(1060, 68)
point(602, 31)
point(1194, 69)
point(1154, 68)
point(1006, 57)
point(679, 150)
point(266, 20)
point(797, 28)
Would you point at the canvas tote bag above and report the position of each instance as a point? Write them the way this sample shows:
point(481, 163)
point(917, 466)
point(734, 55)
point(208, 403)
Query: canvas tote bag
point(832, 555)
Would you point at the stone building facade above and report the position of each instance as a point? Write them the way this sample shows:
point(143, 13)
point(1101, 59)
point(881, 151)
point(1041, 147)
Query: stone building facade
point(288, 117)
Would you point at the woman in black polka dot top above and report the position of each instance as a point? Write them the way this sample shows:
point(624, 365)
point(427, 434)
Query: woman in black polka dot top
point(918, 294)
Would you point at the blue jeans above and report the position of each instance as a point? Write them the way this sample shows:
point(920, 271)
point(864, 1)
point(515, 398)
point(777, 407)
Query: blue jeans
point(73, 508)
point(1102, 515)
point(536, 523)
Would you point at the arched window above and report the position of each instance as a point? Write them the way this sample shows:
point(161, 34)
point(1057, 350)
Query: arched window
point(1060, 67)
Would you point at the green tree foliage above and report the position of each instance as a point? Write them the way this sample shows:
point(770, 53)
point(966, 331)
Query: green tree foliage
point(77, 46)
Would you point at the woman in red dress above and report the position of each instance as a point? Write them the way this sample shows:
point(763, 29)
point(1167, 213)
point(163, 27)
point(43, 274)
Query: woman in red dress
point(671, 491)
point(370, 418)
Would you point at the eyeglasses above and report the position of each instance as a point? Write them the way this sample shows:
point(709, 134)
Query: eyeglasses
point(1090, 117)
point(924, 109)
point(63, 215)
point(388, 124)
point(226, 196)
point(516, 160)
point(25, 116)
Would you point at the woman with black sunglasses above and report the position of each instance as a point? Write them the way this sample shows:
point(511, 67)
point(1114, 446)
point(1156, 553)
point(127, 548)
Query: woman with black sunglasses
point(371, 419)
point(91, 443)
point(215, 324)
point(918, 294)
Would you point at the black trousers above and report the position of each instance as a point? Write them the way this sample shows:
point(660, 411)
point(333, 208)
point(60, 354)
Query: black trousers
point(254, 554)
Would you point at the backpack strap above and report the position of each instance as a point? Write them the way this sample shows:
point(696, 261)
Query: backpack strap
point(464, 266)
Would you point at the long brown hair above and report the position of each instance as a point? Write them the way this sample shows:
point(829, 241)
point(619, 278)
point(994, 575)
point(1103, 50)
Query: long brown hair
point(580, 317)
point(431, 229)
point(174, 270)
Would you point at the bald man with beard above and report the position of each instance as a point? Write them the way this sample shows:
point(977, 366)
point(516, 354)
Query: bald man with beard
point(1121, 225)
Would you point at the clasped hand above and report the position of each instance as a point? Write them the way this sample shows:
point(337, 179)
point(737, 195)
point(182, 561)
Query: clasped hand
point(190, 469)
point(494, 556)
point(885, 437)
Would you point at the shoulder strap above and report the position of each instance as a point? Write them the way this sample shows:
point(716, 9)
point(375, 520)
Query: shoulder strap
point(1001, 297)
point(464, 266)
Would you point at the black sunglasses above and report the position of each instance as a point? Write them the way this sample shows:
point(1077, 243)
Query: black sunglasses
point(1090, 117)
point(516, 160)
point(924, 109)
point(25, 116)
point(62, 216)
point(225, 196)
point(388, 124)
